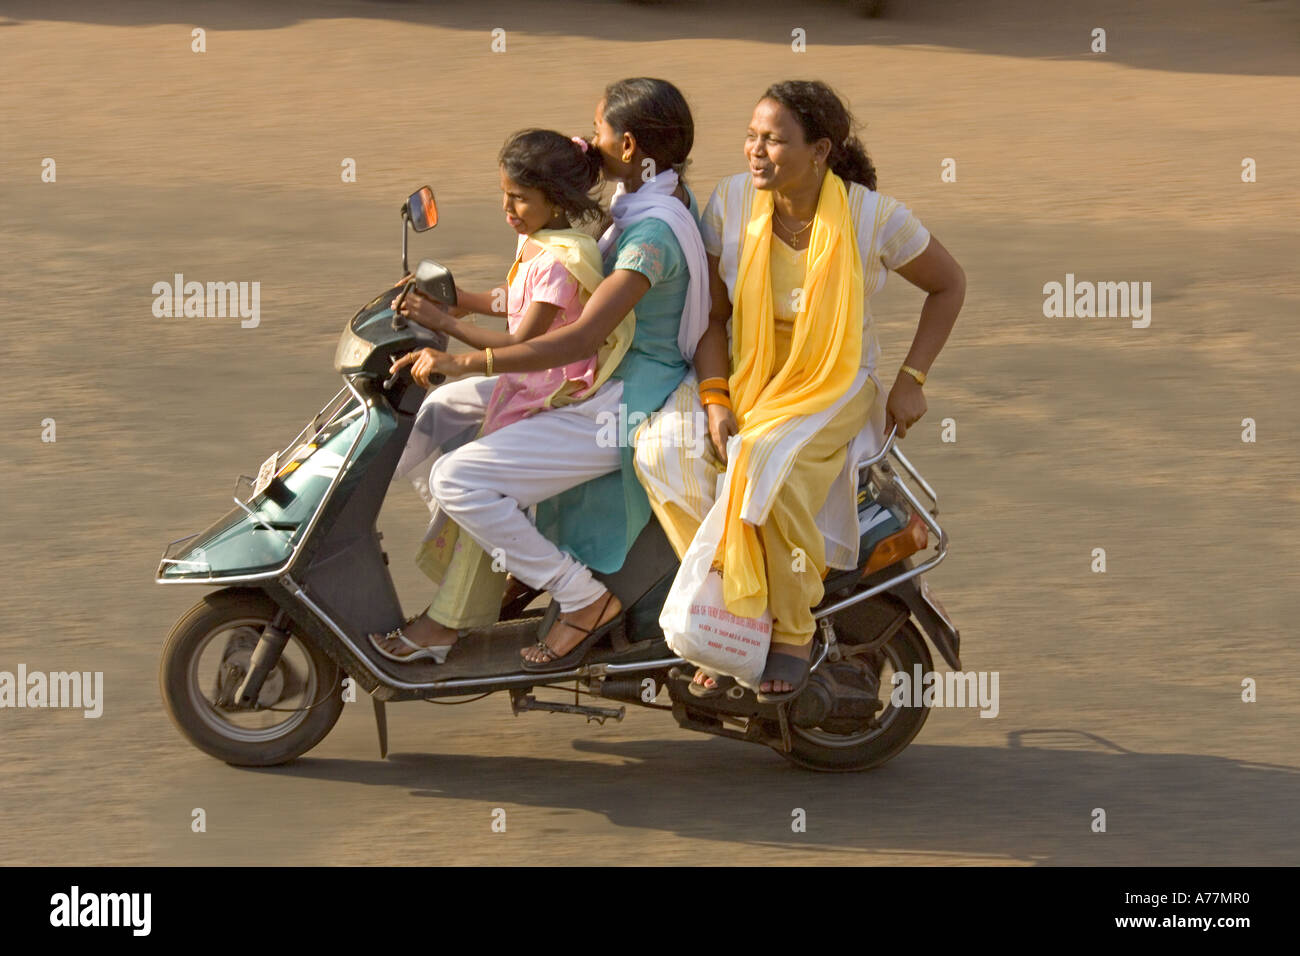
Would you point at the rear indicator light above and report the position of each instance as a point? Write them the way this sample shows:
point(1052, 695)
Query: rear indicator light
point(898, 546)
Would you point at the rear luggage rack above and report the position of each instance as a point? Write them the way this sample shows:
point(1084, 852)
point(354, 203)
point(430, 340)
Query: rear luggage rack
point(894, 491)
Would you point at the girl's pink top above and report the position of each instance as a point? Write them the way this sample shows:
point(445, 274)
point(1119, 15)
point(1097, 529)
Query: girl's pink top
point(518, 395)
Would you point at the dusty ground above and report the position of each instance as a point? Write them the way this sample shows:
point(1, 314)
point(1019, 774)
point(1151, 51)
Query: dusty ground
point(1118, 690)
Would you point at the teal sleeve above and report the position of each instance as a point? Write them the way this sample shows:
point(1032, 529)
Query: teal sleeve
point(650, 248)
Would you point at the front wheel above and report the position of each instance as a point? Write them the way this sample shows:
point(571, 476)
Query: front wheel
point(205, 660)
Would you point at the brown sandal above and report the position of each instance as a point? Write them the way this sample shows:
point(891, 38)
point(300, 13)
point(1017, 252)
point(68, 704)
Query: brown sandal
point(553, 661)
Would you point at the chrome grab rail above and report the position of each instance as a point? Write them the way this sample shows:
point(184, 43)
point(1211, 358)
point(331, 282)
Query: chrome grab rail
point(890, 449)
point(916, 476)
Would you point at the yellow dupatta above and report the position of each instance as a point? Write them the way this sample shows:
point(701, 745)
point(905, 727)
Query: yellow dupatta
point(825, 355)
point(580, 255)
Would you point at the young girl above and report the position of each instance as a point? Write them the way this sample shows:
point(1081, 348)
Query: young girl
point(547, 181)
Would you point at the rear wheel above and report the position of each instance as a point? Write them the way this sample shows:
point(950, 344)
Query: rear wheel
point(206, 658)
point(842, 745)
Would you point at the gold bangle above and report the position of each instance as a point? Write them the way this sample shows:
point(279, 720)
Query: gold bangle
point(716, 398)
point(918, 375)
point(488, 353)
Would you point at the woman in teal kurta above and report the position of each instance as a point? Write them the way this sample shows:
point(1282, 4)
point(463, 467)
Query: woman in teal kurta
point(598, 521)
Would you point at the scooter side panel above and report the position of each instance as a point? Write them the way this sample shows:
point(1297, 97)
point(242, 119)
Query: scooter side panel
point(641, 584)
point(343, 568)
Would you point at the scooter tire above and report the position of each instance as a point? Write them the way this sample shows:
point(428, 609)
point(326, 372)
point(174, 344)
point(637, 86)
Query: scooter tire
point(182, 700)
point(906, 649)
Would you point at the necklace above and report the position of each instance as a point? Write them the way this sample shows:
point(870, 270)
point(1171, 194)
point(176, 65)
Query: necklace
point(792, 233)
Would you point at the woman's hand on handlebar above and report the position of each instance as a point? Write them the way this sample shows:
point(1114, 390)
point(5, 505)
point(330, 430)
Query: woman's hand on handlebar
point(722, 425)
point(425, 312)
point(905, 405)
point(425, 362)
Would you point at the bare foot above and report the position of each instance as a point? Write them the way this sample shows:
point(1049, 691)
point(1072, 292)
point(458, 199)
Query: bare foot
point(703, 680)
point(424, 631)
point(569, 630)
point(800, 651)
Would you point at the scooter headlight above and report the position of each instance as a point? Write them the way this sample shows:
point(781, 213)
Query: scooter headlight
point(352, 352)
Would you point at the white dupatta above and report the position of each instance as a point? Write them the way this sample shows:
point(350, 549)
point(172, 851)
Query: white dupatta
point(655, 200)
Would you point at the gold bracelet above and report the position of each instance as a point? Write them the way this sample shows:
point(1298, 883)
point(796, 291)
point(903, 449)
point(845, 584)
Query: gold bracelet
point(712, 397)
point(918, 375)
point(488, 353)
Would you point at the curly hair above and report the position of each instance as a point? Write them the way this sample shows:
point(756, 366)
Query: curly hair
point(822, 115)
point(565, 173)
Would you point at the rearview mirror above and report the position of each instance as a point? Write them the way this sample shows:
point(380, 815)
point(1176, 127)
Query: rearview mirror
point(422, 210)
point(435, 282)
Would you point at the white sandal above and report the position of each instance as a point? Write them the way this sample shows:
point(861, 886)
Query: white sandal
point(437, 652)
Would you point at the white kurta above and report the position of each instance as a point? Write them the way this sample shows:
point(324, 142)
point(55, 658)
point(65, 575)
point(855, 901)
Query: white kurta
point(889, 236)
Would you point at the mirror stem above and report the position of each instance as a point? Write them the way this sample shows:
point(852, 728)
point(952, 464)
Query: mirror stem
point(405, 221)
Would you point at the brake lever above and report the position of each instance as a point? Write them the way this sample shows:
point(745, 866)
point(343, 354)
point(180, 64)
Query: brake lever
point(399, 321)
point(393, 379)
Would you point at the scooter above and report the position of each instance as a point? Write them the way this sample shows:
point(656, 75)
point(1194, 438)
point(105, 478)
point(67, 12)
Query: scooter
point(257, 672)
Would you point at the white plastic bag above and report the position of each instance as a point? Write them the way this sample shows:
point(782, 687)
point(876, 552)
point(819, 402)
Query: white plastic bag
point(697, 625)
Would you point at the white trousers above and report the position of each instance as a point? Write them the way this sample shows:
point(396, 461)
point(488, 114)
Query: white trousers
point(449, 416)
point(486, 485)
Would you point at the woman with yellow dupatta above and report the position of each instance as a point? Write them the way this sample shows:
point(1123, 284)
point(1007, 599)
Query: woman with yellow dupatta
point(796, 248)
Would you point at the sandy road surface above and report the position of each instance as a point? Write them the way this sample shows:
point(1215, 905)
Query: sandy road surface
point(1119, 691)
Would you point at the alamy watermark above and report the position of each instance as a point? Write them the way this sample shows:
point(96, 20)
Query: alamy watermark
point(951, 689)
point(691, 431)
point(75, 908)
point(1085, 300)
point(75, 690)
point(215, 300)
